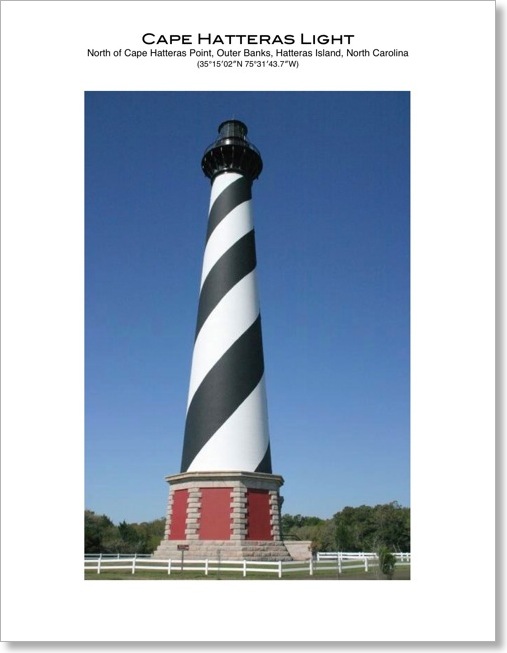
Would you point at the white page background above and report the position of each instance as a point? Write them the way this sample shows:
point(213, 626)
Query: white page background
point(450, 74)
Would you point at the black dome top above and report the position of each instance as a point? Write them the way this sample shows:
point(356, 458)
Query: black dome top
point(231, 152)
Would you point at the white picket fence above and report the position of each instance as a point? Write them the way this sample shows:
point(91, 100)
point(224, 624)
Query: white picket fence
point(244, 567)
point(354, 555)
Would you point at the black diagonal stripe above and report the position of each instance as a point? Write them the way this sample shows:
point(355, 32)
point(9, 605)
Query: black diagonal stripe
point(236, 193)
point(265, 464)
point(226, 386)
point(238, 261)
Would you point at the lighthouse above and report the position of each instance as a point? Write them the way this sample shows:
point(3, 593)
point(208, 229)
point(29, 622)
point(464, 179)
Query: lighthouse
point(225, 500)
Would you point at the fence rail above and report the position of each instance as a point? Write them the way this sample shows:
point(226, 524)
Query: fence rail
point(354, 555)
point(116, 556)
point(364, 561)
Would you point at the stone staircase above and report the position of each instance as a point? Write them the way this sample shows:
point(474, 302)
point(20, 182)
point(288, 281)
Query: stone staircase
point(299, 549)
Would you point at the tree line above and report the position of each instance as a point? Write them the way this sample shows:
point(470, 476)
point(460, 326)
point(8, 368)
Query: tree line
point(102, 536)
point(364, 528)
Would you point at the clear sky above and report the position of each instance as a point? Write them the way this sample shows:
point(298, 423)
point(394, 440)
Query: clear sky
point(332, 222)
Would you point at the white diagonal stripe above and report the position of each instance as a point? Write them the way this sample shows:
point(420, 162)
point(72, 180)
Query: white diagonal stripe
point(234, 314)
point(241, 442)
point(233, 227)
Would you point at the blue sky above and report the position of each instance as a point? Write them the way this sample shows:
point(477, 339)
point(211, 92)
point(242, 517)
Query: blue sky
point(331, 212)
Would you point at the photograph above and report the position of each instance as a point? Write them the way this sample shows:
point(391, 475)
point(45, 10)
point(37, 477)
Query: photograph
point(205, 213)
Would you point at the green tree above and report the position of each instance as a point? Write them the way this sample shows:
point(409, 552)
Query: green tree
point(151, 533)
point(366, 528)
point(125, 539)
point(97, 528)
point(344, 537)
point(102, 536)
point(354, 528)
point(363, 528)
point(392, 525)
point(387, 562)
point(298, 527)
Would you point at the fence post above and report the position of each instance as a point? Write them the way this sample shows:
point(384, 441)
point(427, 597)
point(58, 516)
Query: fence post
point(311, 565)
point(244, 568)
point(365, 563)
point(98, 564)
point(133, 565)
point(206, 567)
point(169, 567)
point(279, 569)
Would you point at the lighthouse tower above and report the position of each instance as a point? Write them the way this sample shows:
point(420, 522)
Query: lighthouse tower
point(226, 498)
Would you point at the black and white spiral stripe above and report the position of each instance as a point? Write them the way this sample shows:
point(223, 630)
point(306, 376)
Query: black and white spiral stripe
point(226, 425)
